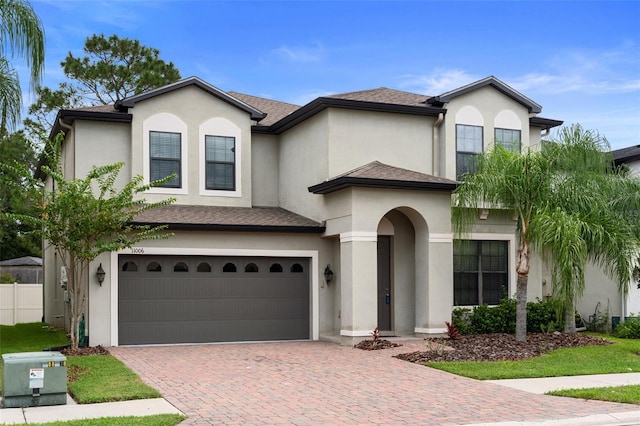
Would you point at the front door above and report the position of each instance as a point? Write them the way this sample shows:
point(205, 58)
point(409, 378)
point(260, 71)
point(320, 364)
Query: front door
point(384, 283)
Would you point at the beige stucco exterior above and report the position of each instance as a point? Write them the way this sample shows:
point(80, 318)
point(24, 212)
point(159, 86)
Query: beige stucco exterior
point(277, 169)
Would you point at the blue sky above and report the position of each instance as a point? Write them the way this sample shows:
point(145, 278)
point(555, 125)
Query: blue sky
point(579, 59)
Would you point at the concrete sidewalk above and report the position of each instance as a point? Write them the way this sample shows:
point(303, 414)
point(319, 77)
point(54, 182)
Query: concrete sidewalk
point(547, 384)
point(73, 411)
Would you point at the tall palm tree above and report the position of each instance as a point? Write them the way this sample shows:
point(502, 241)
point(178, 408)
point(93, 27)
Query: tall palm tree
point(519, 182)
point(21, 35)
point(569, 205)
point(591, 216)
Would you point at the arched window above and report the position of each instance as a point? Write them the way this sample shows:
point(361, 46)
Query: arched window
point(229, 267)
point(251, 267)
point(204, 267)
point(296, 267)
point(180, 267)
point(129, 267)
point(154, 267)
point(276, 267)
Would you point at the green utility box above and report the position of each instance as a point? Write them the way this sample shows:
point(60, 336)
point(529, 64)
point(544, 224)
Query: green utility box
point(31, 379)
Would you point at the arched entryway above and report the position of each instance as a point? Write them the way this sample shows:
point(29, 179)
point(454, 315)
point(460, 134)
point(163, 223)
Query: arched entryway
point(397, 270)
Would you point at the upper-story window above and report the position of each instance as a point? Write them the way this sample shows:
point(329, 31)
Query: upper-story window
point(508, 138)
point(220, 161)
point(165, 157)
point(164, 152)
point(468, 145)
point(220, 149)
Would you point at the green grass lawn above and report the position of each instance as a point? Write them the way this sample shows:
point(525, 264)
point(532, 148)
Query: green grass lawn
point(621, 357)
point(617, 358)
point(97, 378)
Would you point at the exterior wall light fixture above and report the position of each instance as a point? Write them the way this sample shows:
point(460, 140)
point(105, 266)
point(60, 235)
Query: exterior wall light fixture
point(100, 274)
point(328, 274)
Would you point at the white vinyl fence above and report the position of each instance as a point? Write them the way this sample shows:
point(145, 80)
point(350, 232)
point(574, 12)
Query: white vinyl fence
point(20, 303)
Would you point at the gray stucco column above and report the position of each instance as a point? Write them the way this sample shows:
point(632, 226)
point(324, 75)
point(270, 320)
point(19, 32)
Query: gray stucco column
point(434, 283)
point(358, 284)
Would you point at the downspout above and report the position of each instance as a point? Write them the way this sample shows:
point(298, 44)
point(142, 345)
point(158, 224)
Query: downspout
point(436, 144)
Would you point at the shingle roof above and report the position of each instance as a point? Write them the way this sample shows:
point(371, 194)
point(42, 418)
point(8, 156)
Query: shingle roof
point(380, 175)
point(255, 219)
point(384, 95)
point(22, 261)
point(275, 110)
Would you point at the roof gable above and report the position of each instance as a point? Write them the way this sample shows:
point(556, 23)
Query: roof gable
point(125, 104)
point(492, 81)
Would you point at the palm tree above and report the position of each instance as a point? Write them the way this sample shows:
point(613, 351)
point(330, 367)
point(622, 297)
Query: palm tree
point(590, 216)
point(569, 205)
point(21, 35)
point(519, 182)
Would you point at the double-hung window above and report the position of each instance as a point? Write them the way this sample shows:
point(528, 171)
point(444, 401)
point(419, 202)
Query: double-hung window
point(480, 272)
point(510, 139)
point(220, 164)
point(468, 146)
point(165, 158)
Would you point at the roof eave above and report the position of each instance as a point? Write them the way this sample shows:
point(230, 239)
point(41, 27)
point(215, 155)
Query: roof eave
point(346, 182)
point(236, 228)
point(544, 123)
point(322, 103)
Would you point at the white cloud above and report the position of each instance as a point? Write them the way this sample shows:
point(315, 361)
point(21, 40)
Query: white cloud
point(437, 82)
point(314, 53)
point(306, 97)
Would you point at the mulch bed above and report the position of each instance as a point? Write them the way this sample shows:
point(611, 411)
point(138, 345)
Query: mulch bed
point(90, 350)
point(498, 347)
point(373, 345)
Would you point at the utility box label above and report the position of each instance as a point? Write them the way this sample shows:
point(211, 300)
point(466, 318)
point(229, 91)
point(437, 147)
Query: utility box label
point(36, 378)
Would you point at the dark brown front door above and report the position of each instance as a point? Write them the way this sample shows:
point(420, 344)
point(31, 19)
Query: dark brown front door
point(384, 283)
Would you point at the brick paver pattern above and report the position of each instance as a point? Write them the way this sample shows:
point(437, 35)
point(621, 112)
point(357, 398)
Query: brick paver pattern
point(320, 383)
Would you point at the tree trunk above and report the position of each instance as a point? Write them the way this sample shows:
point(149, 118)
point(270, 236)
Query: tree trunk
point(570, 316)
point(522, 269)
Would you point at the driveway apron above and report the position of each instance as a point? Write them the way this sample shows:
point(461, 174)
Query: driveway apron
point(320, 383)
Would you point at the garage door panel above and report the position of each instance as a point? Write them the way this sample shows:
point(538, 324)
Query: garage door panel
point(209, 305)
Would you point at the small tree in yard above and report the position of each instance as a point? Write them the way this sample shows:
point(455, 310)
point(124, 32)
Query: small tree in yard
point(82, 218)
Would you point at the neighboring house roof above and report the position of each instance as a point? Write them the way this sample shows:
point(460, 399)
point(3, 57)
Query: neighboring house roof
point(379, 175)
point(255, 219)
point(22, 261)
point(440, 100)
point(275, 110)
point(626, 155)
point(130, 102)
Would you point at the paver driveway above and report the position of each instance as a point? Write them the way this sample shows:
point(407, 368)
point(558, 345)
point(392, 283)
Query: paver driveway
point(319, 383)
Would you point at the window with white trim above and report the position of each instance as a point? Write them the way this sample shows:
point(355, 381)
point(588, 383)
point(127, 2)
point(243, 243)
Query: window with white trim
point(220, 159)
point(165, 158)
point(480, 272)
point(468, 145)
point(508, 138)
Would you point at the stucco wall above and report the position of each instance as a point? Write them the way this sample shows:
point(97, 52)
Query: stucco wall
point(190, 108)
point(264, 169)
point(489, 103)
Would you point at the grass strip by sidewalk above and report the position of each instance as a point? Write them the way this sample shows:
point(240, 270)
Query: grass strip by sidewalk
point(621, 357)
point(156, 420)
point(626, 394)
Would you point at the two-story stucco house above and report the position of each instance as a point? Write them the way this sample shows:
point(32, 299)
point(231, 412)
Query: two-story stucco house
point(320, 221)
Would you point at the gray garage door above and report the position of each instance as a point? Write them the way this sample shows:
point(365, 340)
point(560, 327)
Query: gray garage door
point(197, 299)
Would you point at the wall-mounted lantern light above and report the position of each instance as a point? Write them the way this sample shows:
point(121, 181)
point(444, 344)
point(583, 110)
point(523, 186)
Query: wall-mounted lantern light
point(100, 274)
point(328, 274)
